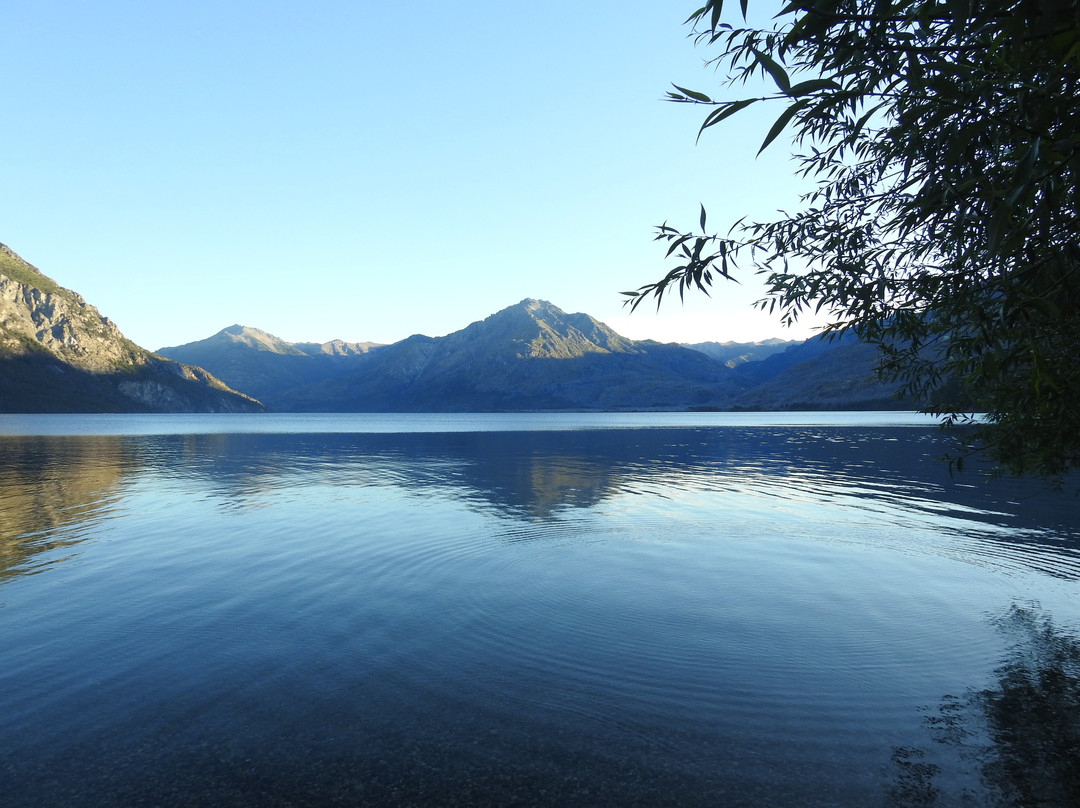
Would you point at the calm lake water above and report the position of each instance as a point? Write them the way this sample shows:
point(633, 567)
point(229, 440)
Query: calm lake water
point(658, 609)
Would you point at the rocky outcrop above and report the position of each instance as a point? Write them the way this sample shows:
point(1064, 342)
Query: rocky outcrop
point(59, 354)
point(59, 322)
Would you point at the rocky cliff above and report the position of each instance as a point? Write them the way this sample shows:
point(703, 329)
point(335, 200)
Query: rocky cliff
point(59, 354)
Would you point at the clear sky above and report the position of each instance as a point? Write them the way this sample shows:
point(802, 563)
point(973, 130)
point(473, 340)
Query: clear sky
point(369, 170)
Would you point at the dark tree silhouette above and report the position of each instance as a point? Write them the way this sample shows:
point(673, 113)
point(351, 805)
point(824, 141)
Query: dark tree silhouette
point(944, 137)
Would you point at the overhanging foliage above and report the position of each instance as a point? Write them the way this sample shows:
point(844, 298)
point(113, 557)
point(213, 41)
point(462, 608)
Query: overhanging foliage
point(944, 139)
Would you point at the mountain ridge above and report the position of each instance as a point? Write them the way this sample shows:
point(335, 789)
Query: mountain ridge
point(533, 355)
point(733, 353)
point(58, 353)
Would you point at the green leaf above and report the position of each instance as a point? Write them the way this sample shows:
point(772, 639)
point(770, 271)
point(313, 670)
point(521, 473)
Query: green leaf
point(782, 122)
point(693, 94)
point(779, 75)
point(723, 112)
point(677, 243)
point(717, 9)
point(1027, 167)
point(811, 86)
point(866, 117)
point(695, 15)
point(702, 220)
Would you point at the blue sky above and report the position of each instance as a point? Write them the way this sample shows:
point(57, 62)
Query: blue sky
point(366, 171)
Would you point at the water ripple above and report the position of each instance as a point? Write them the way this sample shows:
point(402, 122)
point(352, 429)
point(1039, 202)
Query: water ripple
point(733, 616)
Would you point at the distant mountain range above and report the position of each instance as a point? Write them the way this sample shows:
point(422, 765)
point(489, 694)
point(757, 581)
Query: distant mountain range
point(58, 354)
point(531, 356)
point(534, 356)
point(734, 354)
point(265, 366)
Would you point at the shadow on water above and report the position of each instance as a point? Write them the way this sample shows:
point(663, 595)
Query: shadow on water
point(1020, 736)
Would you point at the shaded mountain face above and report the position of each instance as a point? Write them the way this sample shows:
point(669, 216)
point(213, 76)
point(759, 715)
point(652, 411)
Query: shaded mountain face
point(734, 354)
point(242, 336)
point(534, 356)
point(263, 365)
point(58, 354)
point(531, 356)
point(818, 374)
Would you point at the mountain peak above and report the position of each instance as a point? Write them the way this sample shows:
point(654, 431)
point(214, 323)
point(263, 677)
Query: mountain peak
point(238, 330)
point(528, 356)
point(252, 338)
point(535, 304)
point(537, 328)
point(22, 271)
point(59, 354)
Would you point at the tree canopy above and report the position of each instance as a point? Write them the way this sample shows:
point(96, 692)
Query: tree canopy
point(943, 138)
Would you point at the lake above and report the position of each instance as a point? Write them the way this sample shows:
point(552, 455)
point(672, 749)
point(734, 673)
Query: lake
point(701, 609)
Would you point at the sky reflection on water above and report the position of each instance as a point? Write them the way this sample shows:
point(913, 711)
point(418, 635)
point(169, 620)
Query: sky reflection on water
point(739, 615)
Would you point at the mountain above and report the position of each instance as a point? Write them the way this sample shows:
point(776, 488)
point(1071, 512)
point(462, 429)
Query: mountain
point(818, 374)
point(534, 356)
point(525, 357)
point(263, 365)
point(531, 356)
point(734, 354)
point(58, 354)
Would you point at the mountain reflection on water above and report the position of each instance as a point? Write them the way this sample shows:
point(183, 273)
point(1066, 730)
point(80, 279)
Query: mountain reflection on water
point(49, 489)
point(53, 482)
point(742, 616)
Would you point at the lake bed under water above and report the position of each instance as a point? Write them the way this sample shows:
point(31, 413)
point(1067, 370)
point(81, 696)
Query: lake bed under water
point(656, 609)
